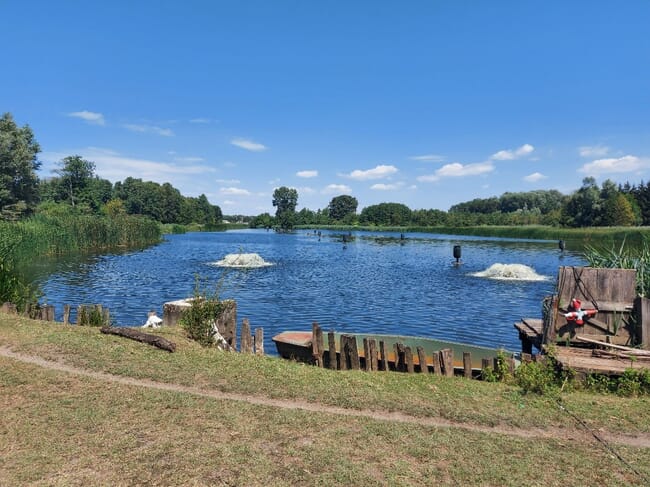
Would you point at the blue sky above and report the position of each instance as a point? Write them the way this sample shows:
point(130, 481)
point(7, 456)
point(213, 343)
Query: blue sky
point(426, 103)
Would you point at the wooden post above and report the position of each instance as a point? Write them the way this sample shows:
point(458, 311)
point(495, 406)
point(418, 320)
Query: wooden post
point(447, 359)
point(437, 366)
point(372, 347)
point(331, 342)
point(408, 359)
point(422, 358)
point(486, 364)
point(467, 365)
point(642, 309)
point(343, 352)
point(107, 317)
point(246, 346)
point(400, 359)
point(66, 314)
point(366, 355)
point(227, 322)
point(81, 315)
point(383, 356)
point(355, 363)
point(317, 343)
point(259, 341)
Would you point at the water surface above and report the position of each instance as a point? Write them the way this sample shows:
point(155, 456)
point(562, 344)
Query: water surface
point(373, 283)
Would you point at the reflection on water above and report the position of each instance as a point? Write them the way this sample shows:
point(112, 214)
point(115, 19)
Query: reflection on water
point(367, 282)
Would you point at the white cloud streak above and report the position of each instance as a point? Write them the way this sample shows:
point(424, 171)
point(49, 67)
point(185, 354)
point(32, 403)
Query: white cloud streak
point(623, 164)
point(378, 172)
point(336, 189)
point(534, 177)
point(92, 118)
point(307, 174)
point(148, 129)
point(387, 187)
point(593, 151)
point(234, 191)
point(456, 170)
point(428, 158)
point(248, 145)
point(510, 155)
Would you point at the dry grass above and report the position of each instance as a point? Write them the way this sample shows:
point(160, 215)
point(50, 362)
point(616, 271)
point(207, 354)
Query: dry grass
point(63, 429)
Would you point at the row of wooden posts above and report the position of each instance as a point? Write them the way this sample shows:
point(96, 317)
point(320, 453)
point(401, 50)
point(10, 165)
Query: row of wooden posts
point(87, 314)
point(376, 356)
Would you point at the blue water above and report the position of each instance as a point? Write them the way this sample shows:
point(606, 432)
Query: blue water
point(375, 283)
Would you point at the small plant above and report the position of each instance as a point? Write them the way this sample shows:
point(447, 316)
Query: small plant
point(543, 377)
point(501, 370)
point(199, 320)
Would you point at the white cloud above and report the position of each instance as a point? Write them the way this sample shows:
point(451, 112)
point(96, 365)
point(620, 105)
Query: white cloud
point(248, 145)
point(386, 187)
point(509, 155)
point(227, 181)
point(200, 120)
point(593, 151)
point(534, 177)
point(456, 169)
point(615, 165)
point(337, 189)
point(114, 166)
point(148, 129)
point(378, 172)
point(235, 191)
point(228, 203)
point(93, 118)
point(307, 174)
point(428, 158)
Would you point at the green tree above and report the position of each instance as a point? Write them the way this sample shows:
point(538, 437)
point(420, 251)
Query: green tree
point(584, 207)
point(618, 211)
point(386, 214)
point(285, 201)
point(18, 166)
point(342, 206)
point(74, 177)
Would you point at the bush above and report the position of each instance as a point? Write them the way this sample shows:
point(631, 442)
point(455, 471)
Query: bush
point(200, 318)
point(544, 377)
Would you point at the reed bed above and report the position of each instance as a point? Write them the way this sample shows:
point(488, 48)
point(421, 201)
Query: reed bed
point(624, 256)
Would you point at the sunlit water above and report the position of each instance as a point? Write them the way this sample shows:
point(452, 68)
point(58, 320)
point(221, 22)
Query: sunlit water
point(374, 283)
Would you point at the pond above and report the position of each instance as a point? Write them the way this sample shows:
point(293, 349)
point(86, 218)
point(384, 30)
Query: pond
point(374, 282)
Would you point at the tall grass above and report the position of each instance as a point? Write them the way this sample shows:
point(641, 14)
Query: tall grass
point(50, 235)
point(624, 256)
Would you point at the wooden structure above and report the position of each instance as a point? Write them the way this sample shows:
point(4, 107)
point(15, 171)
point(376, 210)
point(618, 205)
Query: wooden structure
point(386, 352)
point(613, 317)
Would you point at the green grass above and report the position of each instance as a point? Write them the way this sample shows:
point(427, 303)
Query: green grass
point(61, 429)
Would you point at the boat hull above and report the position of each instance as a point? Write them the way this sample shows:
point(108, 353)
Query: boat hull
point(297, 345)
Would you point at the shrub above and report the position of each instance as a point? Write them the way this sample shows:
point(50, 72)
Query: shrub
point(199, 319)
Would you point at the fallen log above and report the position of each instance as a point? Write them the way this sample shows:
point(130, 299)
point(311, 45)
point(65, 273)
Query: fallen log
point(155, 340)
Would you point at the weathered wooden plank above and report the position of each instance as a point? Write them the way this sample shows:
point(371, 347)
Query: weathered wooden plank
point(400, 361)
point(408, 359)
point(437, 364)
point(66, 314)
point(447, 361)
point(642, 312)
point(353, 351)
point(331, 342)
point(259, 341)
point(383, 356)
point(344, 353)
point(467, 365)
point(317, 344)
point(422, 358)
point(366, 355)
point(246, 345)
point(372, 348)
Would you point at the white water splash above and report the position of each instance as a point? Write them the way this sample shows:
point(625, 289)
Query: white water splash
point(242, 261)
point(510, 272)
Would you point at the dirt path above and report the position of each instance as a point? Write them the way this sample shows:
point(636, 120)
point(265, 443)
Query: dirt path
point(576, 434)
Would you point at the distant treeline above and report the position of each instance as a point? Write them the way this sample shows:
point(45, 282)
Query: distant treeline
point(589, 206)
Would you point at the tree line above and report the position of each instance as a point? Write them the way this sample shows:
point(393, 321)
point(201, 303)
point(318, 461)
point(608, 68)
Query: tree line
point(76, 188)
point(589, 206)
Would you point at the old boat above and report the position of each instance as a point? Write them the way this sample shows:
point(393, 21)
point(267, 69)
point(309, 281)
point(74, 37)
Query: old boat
point(297, 345)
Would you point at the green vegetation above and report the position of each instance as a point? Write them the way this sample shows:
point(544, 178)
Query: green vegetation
point(66, 429)
point(625, 256)
point(198, 320)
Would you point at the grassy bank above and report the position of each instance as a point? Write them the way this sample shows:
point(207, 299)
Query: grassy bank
point(63, 429)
